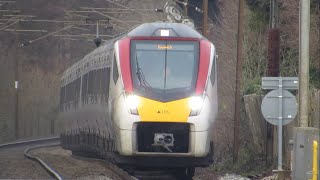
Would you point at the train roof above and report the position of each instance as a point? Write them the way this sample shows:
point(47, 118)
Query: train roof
point(165, 29)
point(98, 57)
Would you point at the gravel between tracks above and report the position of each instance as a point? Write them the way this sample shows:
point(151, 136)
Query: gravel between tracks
point(233, 177)
point(70, 167)
point(209, 174)
point(13, 165)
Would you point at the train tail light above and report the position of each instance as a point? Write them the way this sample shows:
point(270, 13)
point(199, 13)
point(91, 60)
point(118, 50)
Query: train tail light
point(195, 104)
point(133, 102)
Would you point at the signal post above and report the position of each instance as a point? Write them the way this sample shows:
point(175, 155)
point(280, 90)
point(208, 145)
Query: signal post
point(304, 135)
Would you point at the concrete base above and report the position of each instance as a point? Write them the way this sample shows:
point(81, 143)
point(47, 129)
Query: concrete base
point(302, 151)
point(283, 174)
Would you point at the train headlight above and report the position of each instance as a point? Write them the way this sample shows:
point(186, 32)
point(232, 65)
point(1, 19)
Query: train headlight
point(133, 102)
point(195, 104)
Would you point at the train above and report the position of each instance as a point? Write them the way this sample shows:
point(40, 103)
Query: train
point(147, 98)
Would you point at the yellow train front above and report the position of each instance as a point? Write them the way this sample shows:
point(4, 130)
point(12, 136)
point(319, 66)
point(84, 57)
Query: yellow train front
point(144, 99)
point(163, 96)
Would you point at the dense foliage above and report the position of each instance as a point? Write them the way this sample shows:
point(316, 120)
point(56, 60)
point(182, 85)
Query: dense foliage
point(256, 42)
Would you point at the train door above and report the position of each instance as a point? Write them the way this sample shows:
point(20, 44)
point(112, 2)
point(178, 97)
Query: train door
point(212, 85)
point(114, 83)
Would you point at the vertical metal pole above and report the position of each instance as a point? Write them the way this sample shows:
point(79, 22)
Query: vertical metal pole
point(273, 70)
point(280, 117)
point(304, 62)
point(238, 81)
point(185, 8)
point(16, 90)
point(97, 33)
point(205, 18)
point(274, 13)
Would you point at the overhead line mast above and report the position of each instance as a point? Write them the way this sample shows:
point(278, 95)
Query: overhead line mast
point(273, 70)
point(205, 18)
point(236, 127)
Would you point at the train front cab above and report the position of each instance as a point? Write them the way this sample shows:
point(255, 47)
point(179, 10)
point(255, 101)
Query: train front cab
point(156, 125)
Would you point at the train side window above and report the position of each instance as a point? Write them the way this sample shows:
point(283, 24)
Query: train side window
point(115, 70)
point(213, 71)
point(78, 82)
point(106, 81)
point(62, 97)
point(96, 82)
point(90, 82)
point(84, 87)
point(68, 93)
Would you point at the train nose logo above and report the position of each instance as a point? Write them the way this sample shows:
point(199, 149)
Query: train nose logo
point(163, 111)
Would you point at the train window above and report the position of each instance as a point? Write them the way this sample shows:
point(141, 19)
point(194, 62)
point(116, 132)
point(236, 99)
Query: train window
point(61, 95)
point(90, 82)
point(105, 82)
point(101, 74)
point(99, 81)
point(72, 91)
point(77, 88)
point(84, 88)
point(67, 93)
point(156, 65)
point(115, 70)
point(213, 71)
point(62, 98)
point(96, 82)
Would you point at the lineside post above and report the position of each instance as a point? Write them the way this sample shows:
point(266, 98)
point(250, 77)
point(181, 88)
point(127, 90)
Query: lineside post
point(205, 18)
point(304, 135)
point(238, 83)
point(304, 62)
point(185, 8)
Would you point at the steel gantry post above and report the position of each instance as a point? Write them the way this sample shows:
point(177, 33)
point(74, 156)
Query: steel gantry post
point(238, 82)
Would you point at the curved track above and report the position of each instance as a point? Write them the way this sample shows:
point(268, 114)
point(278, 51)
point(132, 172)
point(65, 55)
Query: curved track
point(46, 166)
point(36, 143)
point(123, 172)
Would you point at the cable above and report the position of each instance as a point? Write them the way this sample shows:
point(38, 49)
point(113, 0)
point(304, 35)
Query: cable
point(50, 34)
point(131, 9)
point(10, 24)
point(81, 28)
point(117, 9)
point(111, 17)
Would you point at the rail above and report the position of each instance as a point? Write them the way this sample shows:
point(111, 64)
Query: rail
point(47, 142)
point(30, 142)
point(49, 169)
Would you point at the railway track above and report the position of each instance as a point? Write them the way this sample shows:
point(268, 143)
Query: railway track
point(31, 142)
point(29, 149)
point(35, 144)
point(53, 173)
point(28, 146)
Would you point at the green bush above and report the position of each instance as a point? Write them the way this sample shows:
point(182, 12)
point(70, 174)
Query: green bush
point(252, 86)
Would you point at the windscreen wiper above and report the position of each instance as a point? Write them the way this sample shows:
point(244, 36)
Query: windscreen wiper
point(139, 73)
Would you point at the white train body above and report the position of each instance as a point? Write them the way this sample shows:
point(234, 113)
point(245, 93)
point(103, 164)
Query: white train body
point(148, 98)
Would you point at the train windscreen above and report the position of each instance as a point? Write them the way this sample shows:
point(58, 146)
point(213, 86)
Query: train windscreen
point(164, 70)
